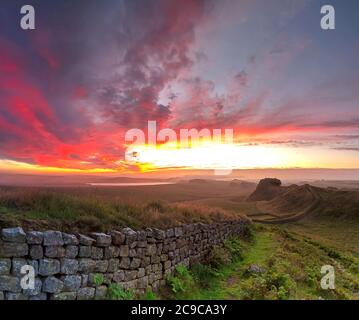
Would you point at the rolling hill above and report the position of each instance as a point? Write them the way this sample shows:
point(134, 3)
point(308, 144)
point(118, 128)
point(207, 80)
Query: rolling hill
point(280, 204)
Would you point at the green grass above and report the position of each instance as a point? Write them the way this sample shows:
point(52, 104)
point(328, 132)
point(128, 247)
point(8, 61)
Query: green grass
point(290, 266)
point(116, 292)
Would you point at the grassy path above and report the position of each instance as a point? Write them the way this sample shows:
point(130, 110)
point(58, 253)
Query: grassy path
point(227, 284)
point(290, 269)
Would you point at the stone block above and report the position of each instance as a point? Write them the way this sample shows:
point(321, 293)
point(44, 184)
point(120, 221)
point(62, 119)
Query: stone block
point(36, 252)
point(13, 235)
point(86, 293)
point(102, 239)
point(49, 267)
point(52, 285)
point(53, 238)
point(69, 266)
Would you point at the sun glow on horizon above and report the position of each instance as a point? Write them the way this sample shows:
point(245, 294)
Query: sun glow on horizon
point(200, 156)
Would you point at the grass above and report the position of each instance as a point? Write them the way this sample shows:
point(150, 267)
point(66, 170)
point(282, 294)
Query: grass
point(342, 234)
point(85, 211)
point(289, 268)
point(116, 292)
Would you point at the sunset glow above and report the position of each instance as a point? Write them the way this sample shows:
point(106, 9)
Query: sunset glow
point(72, 88)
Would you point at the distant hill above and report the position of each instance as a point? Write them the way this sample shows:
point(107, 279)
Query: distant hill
point(277, 203)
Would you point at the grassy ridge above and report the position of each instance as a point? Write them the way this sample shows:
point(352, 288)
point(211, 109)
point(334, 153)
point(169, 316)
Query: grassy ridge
point(85, 210)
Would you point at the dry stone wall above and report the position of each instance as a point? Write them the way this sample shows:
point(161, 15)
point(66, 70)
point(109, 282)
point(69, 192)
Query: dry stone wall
point(66, 265)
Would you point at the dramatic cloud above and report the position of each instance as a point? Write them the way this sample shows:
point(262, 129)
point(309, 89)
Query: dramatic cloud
point(70, 89)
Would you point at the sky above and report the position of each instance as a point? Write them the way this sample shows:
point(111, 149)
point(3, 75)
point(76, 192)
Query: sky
point(91, 71)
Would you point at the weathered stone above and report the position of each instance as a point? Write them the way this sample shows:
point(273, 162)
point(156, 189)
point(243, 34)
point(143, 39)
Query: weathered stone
point(141, 272)
point(253, 268)
point(5, 266)
point(131, 235)
point(113, 265)
point(35, 265)
point(64, 296)
point(10, 283)
point(52, 285)
point(96, 253)
point(107, 278)
point(112, 252)
point(141, 244)
point(170, 233)
point(130, 275)
point(140, 252)
point(101, 293)
point(167, 265)
point(2, 295)
point(42, 296)
point(53, 238)
point(49, 267)
point(17, 264)
point(85, 240)
point(13, 249)
point(118, 237)
point(85, 280)
point(86, 293)
point(34, 237)
point(151, 250)
point(36, 252)
point(72, 282)
point(119, 276)
point(101, 266)
point(54, 252)
point(155, 259)
point(145, 262)
point(124, 251)
point(125, 263)
point(135, 263)
point(132, 253)
point(13, 235)
point(15, 296)
point(142, 283)
point(102, 239)
point(70, 239)
point(149, 233)
point(129, 285)
point(69, 266)
point(37, 289)
point(178, 231)
point(87, 265)
point(71, 251)
point(141, 235)
point(158, 234)
point(151, 240)
point(85, 252)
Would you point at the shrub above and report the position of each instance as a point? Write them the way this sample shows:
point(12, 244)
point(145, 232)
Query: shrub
point(202, 274)
point(182, 281)
point(149, 295)
point(116, 292)
point(98, 279)
point(233, 245)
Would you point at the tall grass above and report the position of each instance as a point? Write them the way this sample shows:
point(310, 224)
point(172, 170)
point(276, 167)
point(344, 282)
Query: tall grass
point(78, 210)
